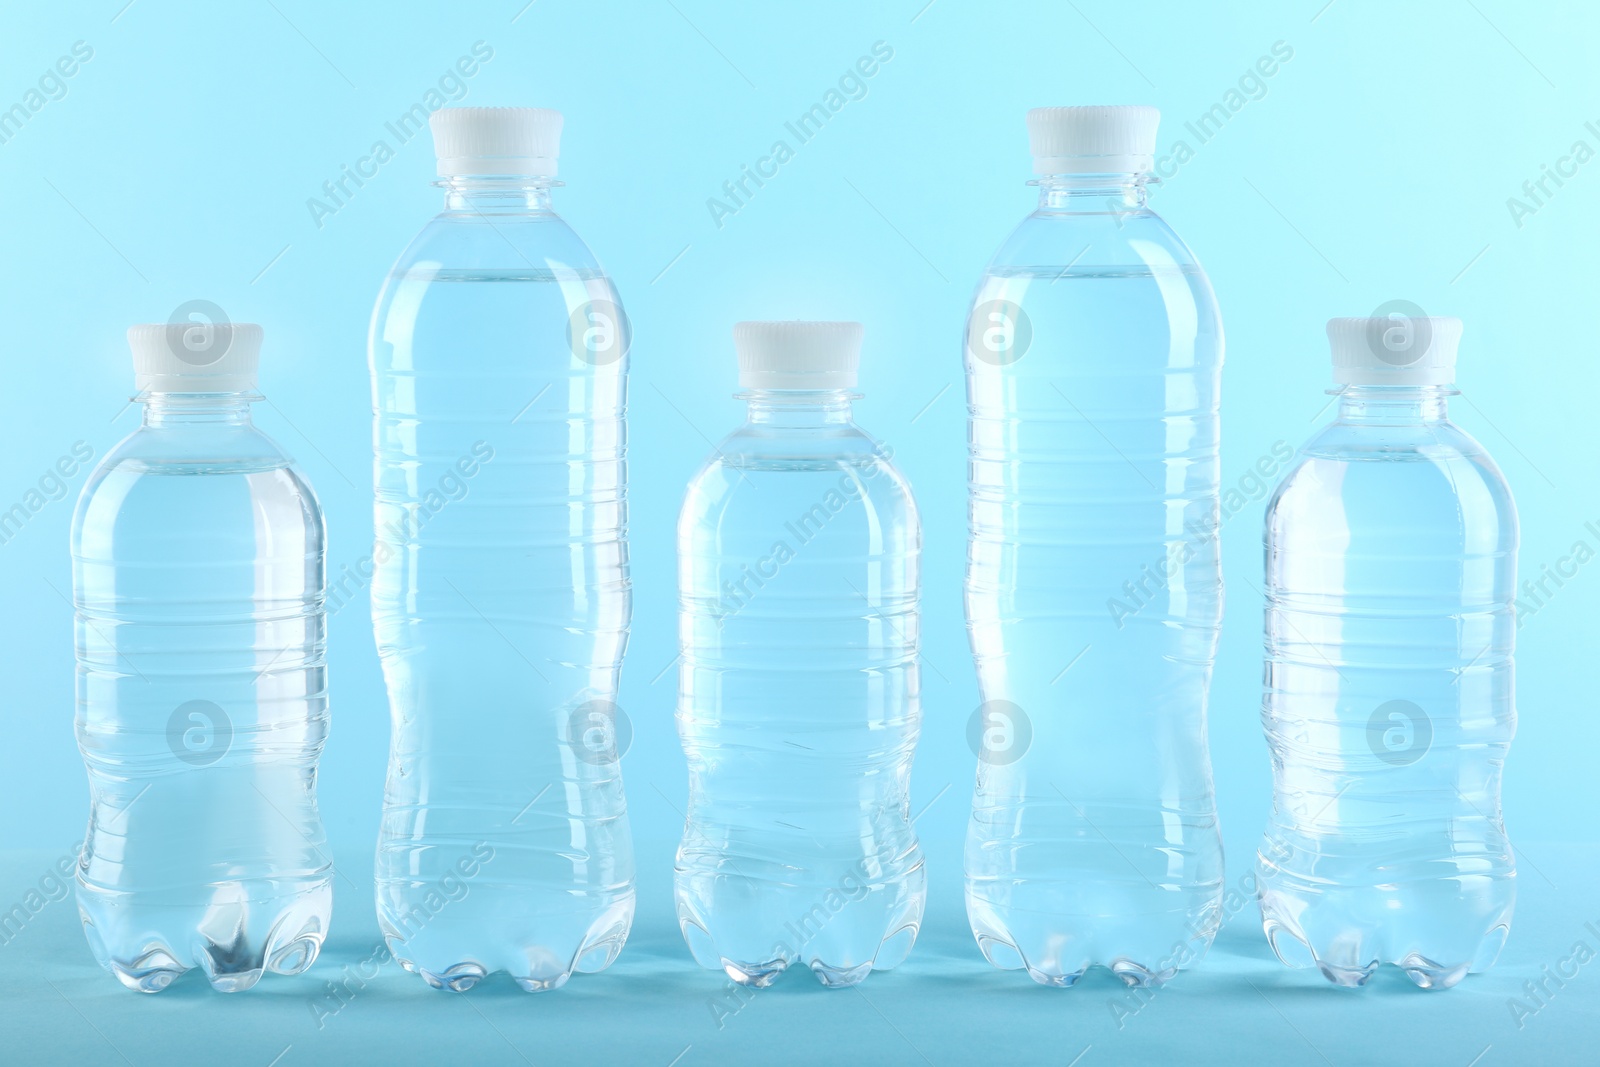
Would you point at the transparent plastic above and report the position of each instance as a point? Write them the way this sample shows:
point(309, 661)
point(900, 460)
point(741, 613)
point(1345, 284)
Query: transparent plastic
point(1093, 590)
point(197, 566)
point(500, 594)
point(799, 700)
point(1391, 568)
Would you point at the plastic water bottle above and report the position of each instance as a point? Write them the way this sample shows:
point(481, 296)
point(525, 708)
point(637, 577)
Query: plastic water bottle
point(500, 592)
point(1093, 592)
point(1391, 569)
point(798, 699)
point(197, 569)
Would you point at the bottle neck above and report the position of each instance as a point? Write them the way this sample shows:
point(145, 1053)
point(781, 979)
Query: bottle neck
point(1094, 193)
point(1391, 404)
point(798, 409)
point(179, 410)
point(497, 195)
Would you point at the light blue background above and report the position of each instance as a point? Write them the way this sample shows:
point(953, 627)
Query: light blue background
point(1375, 165)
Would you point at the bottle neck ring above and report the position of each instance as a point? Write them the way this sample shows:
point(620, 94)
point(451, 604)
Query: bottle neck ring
point(1095, 193)
point(1394, 403)
point(497, 194)
point(166, 410)
point(798, 408)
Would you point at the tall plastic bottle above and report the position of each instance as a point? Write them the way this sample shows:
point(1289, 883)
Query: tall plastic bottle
point(1094, 591)
point(798, 698)
point(197, 570)
point(500, 592)
point(1391, 551)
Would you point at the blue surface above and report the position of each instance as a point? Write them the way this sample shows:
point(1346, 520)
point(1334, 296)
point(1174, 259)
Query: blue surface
point(943, 1006)
point(1375, 164)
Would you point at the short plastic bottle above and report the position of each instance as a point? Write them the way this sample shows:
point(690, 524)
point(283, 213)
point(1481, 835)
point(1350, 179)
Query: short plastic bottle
point(1391, 554)
point(798, 696)
point(198, 579)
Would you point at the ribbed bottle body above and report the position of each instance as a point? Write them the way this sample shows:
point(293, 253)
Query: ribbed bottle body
point(501, 601)
point(799, 706)
point(1093, 593)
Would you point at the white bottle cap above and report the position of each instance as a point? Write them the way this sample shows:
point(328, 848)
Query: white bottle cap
point(797, 355)
point(189, 357)
point(1397, 350)
point(1119, 139)
point(496, 141)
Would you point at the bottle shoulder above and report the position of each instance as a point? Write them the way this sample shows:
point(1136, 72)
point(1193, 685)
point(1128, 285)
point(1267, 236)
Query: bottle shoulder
point(758, 468)
point(1074, 275)
point(202, 467)
point(1432, 472)
point(1114, 238)
point(474, 282)
point(541, 242)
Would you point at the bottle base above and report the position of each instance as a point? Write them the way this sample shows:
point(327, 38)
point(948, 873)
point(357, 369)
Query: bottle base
point(1008, 957)
point(148, 948)
point(755, 930)
point(1056, 945)
point(536, 969)
point(892, 950)
point(761, 975)
point(1437, 929)
point(1348, 962)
